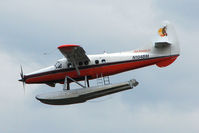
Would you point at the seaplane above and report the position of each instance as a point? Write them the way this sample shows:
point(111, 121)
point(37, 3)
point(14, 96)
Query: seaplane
point(77, 66)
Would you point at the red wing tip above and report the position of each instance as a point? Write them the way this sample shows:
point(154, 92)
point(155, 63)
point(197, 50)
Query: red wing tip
point(68, 45)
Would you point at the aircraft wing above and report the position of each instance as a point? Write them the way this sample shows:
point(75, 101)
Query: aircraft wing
point(74, 54)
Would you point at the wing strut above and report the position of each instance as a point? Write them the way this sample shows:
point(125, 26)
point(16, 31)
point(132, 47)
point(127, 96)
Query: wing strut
point(67, 83)
point(77, 69)
point(86, 82)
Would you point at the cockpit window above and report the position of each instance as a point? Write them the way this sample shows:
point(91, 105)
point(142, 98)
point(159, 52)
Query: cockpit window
point(58, 65)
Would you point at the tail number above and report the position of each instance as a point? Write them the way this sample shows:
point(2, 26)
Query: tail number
point(137, 57)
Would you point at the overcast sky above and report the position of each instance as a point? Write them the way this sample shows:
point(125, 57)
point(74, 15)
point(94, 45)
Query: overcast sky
point(166, 100)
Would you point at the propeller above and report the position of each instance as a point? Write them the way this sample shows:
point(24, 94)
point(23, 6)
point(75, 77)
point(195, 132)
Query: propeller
point(22, 78)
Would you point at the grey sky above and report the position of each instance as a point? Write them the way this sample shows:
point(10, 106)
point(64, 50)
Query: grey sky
point(166, 100)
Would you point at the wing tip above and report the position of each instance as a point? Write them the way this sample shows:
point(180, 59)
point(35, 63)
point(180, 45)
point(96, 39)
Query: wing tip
point(68, 45)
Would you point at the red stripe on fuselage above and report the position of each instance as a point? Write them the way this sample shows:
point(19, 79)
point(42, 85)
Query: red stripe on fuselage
point(92, 72)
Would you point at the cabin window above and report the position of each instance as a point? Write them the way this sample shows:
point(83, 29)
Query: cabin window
point(80, 63)
point(58, 65)
point(96, 61)
point(103, 60)
point(69, 65)
point(86, 62)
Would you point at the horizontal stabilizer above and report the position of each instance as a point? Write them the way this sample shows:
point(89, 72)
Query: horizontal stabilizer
point(162, 44)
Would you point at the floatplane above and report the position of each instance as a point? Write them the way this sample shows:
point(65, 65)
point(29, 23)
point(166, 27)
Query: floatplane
point(78, 66)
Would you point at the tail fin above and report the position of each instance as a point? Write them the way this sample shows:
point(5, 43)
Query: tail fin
point(165, 44)
point(167, 39)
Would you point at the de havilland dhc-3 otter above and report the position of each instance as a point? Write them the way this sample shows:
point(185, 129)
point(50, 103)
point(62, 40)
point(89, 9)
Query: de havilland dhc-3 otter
point(77, 66)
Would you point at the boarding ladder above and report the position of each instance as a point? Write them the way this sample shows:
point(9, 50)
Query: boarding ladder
point(102, 80)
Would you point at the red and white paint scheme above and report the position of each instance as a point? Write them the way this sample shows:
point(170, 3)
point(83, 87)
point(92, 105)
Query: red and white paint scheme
point(77, 65)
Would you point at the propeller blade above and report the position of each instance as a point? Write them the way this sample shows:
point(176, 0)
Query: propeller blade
point(24, 88)
point(22, 78)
